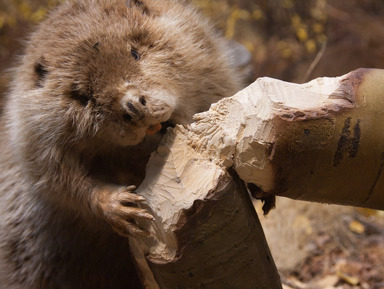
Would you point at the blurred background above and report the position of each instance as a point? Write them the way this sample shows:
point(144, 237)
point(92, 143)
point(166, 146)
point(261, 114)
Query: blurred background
point(314, 246)
point(300, 40)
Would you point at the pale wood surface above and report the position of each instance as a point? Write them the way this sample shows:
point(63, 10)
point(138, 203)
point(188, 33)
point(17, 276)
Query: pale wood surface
point(320, 141)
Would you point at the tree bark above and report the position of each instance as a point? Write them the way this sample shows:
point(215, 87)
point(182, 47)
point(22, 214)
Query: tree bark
point(320, 141)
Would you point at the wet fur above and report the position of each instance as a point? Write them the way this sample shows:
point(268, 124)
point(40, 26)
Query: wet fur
point(70, 138)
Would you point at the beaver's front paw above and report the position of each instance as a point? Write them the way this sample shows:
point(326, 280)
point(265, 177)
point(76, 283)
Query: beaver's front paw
point(120, 210)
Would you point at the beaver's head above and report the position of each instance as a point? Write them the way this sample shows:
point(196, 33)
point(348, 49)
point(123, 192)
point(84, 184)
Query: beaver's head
point(114, 70)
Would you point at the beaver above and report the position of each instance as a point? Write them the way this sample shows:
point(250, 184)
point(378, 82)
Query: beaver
point(98, 83)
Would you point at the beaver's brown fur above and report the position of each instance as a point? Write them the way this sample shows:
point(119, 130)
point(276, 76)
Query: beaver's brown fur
point(94, 77)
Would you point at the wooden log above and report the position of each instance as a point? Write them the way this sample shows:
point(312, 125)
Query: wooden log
point(206, 233)
point(320, 141)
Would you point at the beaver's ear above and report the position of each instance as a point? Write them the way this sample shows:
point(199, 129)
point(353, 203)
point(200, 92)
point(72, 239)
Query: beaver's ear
point(240, 58)
point(139, 5)
point(239, 55)
point(40, 72)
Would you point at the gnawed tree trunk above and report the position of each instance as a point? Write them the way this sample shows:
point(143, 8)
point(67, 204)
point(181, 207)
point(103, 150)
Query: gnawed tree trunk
point(319, 141)
point(322, 141)
point(207, 234)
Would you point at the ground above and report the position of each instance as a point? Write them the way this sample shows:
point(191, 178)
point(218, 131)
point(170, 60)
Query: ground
point(314, 246)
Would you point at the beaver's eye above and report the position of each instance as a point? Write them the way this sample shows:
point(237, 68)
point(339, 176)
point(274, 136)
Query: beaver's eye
point(135, 54)
point(81, 97)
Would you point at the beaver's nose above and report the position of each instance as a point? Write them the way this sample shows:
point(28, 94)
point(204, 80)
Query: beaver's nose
point(134, 107)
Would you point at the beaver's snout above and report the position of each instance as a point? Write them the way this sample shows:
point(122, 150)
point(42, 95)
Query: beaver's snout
point(134, 108)
point(143, 109)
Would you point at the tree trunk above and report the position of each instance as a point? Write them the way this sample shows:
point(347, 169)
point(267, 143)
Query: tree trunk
point(206, 233)
point(319, 141)
point(322, 141)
